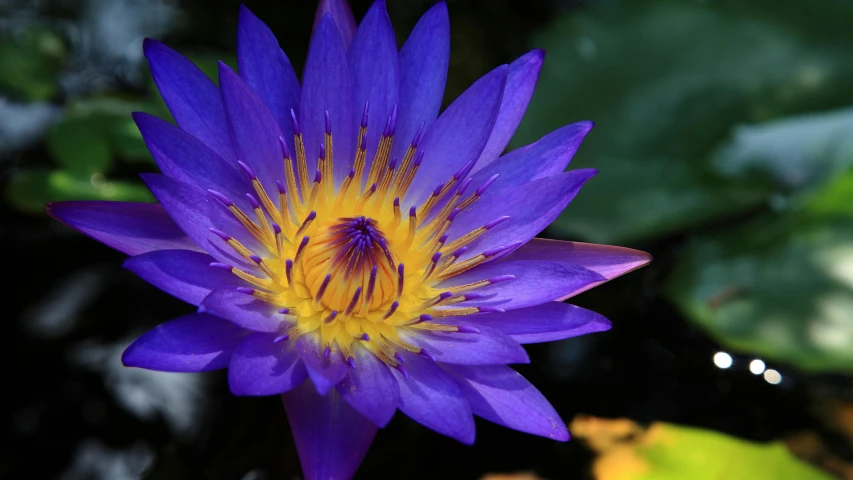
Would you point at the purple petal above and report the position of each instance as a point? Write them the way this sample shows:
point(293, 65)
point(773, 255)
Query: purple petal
point(423, 73)
point(184, 274)
point(331, 437)
point(244, 310)
point(196, 212)
point(459, 134)
point(131, 228)
point(501, 395)
point(547, 322)
point(548, 156)
point(520, 83)
point(340, 12)
point(254, 132)
point(537, 280)
point(259, 366)
point(530, 207)
point(325, 371)
point(184, 158)
point(375, 69)
point(371, 388)
point(192, 98)
point(432, 398)
point(267, 70)
point(326, 86)
point(192, 343)
point(608, 261)
point(488, 347)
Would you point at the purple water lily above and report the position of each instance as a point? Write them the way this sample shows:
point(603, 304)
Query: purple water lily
point(348, 247)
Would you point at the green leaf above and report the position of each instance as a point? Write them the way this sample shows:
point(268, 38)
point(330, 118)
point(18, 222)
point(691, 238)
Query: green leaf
point(118, 128)
point(81, 144)
point(780, 288)
point(667, 83)
point(672, 452)
point(30, 190)
point(29, 64)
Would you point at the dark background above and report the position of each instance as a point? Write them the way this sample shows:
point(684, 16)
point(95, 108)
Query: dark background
point(749, 233)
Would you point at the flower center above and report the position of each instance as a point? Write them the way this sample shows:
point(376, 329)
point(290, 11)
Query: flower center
point(350, 257)
point(345, 263)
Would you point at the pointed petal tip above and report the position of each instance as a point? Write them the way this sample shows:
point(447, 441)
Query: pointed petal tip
point(223, 67)
point(152, 46)
point(342, 18)
point(600, 323)
point(128, 356)
point(533, 59)
point(468, 439)
point(148, 44)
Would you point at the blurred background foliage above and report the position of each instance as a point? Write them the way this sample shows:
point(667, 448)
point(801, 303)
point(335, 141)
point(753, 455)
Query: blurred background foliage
point(723, 138)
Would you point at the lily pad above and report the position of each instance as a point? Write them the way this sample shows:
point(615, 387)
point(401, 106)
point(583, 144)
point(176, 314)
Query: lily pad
point(30, 190)
point(81, 144)
point(667, 83)
point(31, 63)
point(780, 287)
point(664, 451)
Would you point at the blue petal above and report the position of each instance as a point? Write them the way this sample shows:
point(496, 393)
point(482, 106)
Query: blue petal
point(254, 132)
point(530, 208)
point(245, 310)
point(192, 343)
point(371, 388)
point(184, 274)
point(325, 371)
point(499, 394)
point(459, 134)
point(423, 73)
point(489, 347)
point(537, 280)
point(184, 158)
point(267, 70)
point(331, 437)
point(547, 322)
point(192, 98)
point(259, 366)
point(432, 398)
point(196, 212)
point(550, 155)
point(344, 20)
point(520, 82)
point(326, 86)
point(375, 68)
point(605, 260)
point(131, 228)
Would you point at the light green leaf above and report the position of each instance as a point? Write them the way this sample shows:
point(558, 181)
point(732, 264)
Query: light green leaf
point(81, 144)
point(30, 190)
point(672, 452)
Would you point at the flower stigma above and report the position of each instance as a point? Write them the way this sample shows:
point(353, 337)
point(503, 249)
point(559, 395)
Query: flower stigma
point(346, 263)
